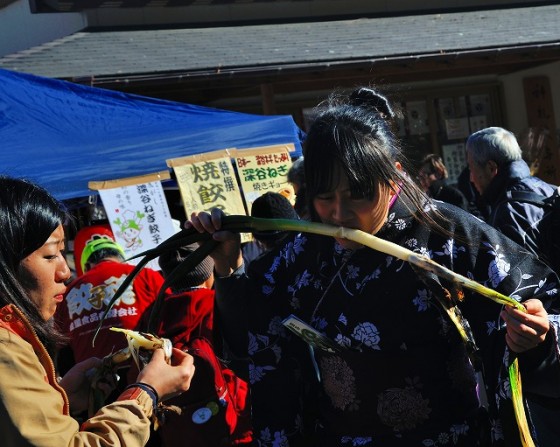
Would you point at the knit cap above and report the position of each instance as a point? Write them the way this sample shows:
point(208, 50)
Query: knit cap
point(275, 206)
point(195, 277)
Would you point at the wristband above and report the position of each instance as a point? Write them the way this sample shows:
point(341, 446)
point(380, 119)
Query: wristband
point(148, 389)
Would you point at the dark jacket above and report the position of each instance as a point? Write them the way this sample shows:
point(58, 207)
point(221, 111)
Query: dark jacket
point(440, 190)
point(518, 220)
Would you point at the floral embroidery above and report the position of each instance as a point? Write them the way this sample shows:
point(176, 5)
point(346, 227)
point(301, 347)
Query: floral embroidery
point(281, 438)
point(403, 408)
point(411, 242)
point(368, 334)
point(302, 280)
point(368, 278)
point(491, 326)
point(339, 383)
point(400, 224)
point(449, 249)
point(253, 344)
point(294, 303)
point(354, 442)
point(343, 341)
point(430, 206)
point(319, 323)
point(278, 439)
point(498, 268)
point(256, 373)
point(424, 251)
point(445, 438)
point(422, 300)
point(267, 290)
point(275, 327)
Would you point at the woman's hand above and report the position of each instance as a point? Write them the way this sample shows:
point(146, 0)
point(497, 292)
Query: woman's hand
point(227, 256)
point(169, 380)
point(525, 331)
point(77, 381)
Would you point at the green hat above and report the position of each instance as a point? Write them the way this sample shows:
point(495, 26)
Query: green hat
point(96, 245)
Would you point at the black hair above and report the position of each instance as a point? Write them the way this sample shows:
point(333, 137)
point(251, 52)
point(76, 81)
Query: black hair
point(28, 217)
point(296, 173)
point(275, 206)
point(434, 165)
point(352, 135)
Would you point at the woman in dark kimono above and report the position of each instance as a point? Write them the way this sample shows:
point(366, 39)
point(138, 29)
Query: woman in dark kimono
point(378, 361)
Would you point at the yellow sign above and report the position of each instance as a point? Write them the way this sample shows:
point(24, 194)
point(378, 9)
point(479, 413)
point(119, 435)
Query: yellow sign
point(208, 181)
point(265, 169)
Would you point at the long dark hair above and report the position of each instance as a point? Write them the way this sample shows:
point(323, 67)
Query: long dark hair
point(352, 134)
point(28, 217)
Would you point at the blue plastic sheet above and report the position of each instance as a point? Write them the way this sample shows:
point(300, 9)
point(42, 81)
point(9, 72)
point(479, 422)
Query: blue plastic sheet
point(62, 135)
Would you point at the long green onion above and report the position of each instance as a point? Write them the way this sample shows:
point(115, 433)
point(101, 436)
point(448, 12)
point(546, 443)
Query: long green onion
point(247, 224)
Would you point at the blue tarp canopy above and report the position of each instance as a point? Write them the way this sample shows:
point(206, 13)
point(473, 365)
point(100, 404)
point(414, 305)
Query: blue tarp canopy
point(62, 135)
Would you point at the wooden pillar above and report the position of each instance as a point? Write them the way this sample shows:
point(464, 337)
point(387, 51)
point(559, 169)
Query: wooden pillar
point(267, 93)
point(543, 141)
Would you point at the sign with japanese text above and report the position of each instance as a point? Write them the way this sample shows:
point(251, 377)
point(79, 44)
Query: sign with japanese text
point(137, 212)
point(454, 159)
point(417, 115)
point(208, 181)
point(457, 128)
point(265, 169)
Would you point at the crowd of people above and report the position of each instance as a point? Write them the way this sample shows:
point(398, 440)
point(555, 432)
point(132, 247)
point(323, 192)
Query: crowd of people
point(376, 359)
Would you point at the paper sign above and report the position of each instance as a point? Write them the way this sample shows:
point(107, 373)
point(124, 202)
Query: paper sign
point(417, 114)
point(265, 169)
point(454, 159)
point(457, 128)
point(477, 123)
point(139, 217)
point(208, 181)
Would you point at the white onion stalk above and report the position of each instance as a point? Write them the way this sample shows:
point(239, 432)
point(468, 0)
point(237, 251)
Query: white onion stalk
point(142, 340)
point(387, 247)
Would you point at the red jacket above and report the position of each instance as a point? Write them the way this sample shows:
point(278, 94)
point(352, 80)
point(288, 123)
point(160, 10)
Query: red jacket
point(86, 301)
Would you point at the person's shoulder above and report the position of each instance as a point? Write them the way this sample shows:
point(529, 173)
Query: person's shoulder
point(533, 184)
point(290, 249)
point(455, 196)
point(148, 272)
point(454, 215)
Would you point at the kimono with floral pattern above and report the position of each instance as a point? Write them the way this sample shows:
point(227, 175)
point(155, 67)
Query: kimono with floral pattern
point(401, 375)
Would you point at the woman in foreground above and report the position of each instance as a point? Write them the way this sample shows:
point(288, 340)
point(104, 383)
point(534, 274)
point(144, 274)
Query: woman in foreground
point(36, 405)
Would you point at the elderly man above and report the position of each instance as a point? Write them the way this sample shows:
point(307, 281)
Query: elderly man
point(498, 170)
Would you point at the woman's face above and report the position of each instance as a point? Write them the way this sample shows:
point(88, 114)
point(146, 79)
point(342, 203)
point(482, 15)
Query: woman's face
point(44, 272)
point(339, 208)
point(426, 178)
